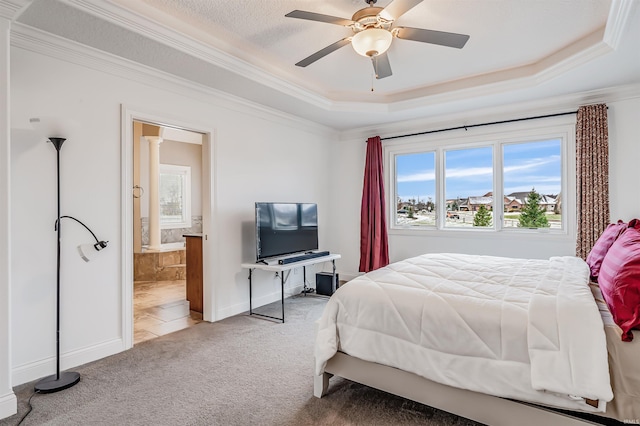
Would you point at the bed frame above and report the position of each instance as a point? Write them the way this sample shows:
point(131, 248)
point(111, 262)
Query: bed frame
point(476, 406)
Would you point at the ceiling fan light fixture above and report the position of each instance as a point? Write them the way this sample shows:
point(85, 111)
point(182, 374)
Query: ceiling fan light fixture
point(372, 42)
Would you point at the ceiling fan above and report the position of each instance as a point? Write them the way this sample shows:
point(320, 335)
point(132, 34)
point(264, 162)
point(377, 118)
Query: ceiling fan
point(374, 31)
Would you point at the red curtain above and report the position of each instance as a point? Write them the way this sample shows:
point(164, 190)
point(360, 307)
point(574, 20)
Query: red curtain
point(374, 247)
point(592, 175)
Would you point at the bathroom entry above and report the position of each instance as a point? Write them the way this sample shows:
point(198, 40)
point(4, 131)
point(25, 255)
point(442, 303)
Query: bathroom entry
point(167, 230)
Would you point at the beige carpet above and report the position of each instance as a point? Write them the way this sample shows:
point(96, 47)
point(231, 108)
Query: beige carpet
point(239, 371)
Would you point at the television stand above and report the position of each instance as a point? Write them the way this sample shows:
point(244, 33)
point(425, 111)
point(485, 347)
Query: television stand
point(281, 269)
point(306, 256)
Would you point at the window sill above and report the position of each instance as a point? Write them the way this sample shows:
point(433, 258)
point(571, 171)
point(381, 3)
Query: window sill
point(182, 225)
point(551, 235)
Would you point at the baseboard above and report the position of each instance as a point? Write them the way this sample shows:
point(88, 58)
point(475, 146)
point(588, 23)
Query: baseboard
point(8, 405)
point(37, 369)
point(240, 308)
point(345, 276)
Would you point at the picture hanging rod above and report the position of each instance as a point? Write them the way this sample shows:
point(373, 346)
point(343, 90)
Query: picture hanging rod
point(469, 126)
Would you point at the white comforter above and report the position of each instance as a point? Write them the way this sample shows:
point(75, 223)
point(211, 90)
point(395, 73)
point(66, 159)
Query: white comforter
point(516, 328)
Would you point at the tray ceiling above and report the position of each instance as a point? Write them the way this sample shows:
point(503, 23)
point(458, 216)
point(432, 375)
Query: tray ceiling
point(248, 48)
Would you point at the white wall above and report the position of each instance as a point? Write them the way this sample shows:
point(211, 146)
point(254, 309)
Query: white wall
point(624, 158)
point(349, 159)
point(259, 156)
point(8, 403)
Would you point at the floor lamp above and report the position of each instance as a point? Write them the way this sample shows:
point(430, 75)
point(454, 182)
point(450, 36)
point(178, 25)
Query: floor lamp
point(67, 379)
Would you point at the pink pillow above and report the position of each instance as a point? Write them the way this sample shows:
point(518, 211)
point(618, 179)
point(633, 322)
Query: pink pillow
point(600, 248)
point(619, 280)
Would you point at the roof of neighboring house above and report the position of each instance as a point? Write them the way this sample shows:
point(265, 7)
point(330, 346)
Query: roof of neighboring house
point(480, 200)
point(522, 198)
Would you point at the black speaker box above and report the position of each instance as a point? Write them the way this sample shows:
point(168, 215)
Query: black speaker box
point(325, 284)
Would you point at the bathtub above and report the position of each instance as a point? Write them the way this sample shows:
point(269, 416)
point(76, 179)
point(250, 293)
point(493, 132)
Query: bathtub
point(180, 245)
point(166, 264)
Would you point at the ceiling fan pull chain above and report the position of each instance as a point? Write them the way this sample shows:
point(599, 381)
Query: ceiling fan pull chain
point(375, 71)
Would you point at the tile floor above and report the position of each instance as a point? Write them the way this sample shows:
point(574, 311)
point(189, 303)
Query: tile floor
point(160, 307)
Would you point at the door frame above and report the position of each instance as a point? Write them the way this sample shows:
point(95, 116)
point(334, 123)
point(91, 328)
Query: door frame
point(209, 210)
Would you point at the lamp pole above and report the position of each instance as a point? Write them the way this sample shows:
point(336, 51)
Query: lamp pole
point(58, 381)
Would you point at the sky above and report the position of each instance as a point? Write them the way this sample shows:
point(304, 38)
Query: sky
point(469, 172)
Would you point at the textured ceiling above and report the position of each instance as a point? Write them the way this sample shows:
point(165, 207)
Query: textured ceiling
point(519, 50)
point(504, 34)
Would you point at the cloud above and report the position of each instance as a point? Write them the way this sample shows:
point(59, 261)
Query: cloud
point(535, 179)
point(466, 172)
point(417, 177)
point(532, 164)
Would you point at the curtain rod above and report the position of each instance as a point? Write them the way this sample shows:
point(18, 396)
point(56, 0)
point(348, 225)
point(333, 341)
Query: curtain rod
point(479, 125)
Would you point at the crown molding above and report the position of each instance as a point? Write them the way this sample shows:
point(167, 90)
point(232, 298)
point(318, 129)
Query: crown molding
point(619, 18)
point(579, 53)
point(545, 106)
point(402, 106)
point(34, 40)
point(10, 9)
point(132, 17)
point(154, 29)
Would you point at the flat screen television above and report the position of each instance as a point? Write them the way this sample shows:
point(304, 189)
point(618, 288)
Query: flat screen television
point(285, 228)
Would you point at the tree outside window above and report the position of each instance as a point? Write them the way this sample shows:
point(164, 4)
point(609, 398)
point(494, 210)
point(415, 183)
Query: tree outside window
point(482, 217)
point(533, 164)
point(484, 182)
point(532, 214)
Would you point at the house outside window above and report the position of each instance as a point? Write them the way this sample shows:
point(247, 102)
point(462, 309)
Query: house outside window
point(468, 177)
point(484, 182)
point(416, 190)
point(531, 166)
point(175, 196)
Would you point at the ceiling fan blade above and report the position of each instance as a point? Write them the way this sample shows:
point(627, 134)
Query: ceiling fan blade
point(381, 66)
point(397, 8)
point(324, 52)
point(301, 14)
point(433, 37)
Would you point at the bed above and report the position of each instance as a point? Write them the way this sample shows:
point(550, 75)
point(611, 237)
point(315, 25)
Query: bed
point(479, 336)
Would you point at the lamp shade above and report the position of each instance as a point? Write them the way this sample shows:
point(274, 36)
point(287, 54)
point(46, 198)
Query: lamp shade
point(53, 127)
point(88, 251)
point(372, 41)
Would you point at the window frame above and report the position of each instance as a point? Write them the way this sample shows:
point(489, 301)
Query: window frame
point(186, 187)
point(393, 208)
point(496, 136)
point(443, 176)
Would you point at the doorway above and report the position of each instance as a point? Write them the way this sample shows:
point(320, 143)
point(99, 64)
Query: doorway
point(167, 212)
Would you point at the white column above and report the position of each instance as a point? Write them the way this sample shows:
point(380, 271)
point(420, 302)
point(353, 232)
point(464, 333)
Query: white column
point(154, 191)
point(8, 403)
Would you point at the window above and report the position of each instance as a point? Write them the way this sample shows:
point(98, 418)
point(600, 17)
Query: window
point(175, 196)
point(532, 176)
point(415, 189)
point(469, 187)
point(513, 181)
